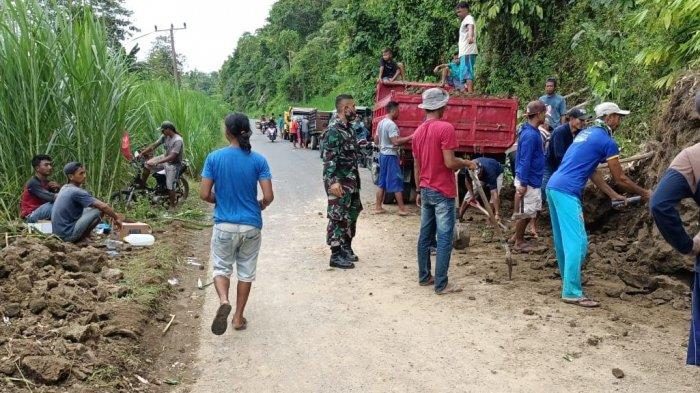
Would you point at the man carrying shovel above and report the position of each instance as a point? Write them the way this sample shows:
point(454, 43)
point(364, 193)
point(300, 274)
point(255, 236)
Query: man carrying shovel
point(592, 146)
point(490, 174)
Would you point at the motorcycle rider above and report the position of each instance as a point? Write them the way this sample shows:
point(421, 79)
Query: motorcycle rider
point(171, 161)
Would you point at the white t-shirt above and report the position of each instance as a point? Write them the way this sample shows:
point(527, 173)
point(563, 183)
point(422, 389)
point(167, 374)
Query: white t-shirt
point(465, 48)
point(387, 129)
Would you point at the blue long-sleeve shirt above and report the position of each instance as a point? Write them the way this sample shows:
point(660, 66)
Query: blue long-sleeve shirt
point(680, 181)
point(559, 142)
point(529, 166)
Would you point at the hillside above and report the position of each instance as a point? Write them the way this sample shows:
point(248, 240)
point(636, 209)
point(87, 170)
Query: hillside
point(627, 51)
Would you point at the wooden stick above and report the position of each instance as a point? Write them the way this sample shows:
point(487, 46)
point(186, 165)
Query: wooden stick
point(172, 318)
point(629, 159)
point(7, 240)
point(26, 382)
point(581, 105)
point(585, 89)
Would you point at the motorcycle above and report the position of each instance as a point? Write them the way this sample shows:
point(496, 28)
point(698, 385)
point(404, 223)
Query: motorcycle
point(271, 133)
point(366, 148)
point(157, 195)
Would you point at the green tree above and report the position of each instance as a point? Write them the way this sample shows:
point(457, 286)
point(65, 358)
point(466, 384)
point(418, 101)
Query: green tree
point(159, 63)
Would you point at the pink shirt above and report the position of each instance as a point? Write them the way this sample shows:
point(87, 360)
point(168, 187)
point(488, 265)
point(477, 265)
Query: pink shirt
point(429, 140)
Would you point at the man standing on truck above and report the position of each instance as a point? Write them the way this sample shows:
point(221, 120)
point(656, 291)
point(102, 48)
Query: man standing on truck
point(389, 70)
point(555, 103)
point(341, 180)
point(390, 173)
point(467, 44)
point(529, 169)
point(434, 143)
point(592, 146)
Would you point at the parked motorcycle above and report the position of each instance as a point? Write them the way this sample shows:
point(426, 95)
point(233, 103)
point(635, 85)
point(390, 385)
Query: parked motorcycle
point(365, 156)
point(157, 195)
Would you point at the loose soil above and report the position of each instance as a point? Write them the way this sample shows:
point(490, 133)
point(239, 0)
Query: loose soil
point(75, 319)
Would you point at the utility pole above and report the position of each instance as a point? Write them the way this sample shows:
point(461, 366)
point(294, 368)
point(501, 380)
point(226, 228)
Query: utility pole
point(172, 48)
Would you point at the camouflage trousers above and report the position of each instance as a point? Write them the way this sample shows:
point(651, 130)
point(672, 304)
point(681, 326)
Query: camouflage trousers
point(342, 218)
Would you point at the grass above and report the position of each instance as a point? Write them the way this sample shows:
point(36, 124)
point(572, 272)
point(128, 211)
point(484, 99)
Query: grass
point(65, 93)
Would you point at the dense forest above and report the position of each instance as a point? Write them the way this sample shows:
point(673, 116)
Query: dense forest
point(629, 51)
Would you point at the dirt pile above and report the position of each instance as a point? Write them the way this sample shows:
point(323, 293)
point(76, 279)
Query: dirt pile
point(62, 318)
point(626, 243)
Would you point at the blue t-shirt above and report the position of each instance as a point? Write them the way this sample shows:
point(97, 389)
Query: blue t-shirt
point(455, 71)
point(591, 147)
point(492, 170)
point(559, 143)
point(556, 108)
point(529, 160)
point(235, 174)
point(67, 209)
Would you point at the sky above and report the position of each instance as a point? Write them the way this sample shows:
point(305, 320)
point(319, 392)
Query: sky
point(213, 27)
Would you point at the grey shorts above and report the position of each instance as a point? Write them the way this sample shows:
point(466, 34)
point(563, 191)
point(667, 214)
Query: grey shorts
point(171, 171)
point(239, 245)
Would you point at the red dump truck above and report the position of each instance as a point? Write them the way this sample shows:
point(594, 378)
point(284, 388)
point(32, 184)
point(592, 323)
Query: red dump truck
point(485, 126)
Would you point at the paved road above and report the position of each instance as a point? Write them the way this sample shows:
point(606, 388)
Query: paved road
point(373, 329)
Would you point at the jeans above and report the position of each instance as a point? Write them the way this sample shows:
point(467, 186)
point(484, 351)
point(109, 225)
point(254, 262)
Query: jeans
point(437, 215)
point(694, 338)
point(42, 212)
point(548, 172)
point(89, 220)
point(570, 240)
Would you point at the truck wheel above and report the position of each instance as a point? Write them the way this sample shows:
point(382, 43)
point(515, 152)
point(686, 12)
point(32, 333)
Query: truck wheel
point(314, 142)
point(409, 193)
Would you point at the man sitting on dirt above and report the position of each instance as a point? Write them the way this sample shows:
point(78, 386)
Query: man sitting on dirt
point(390, 174)
point(556, 105)
point(39, 193)
point(559, 142)
point(592, 146)
point(682, 181)
point(75, 212)
point(230, 180)
point(490, 174)
point(451, 73)
point(171, 161)
point(529, 168)
point(434, 143)
point(389, 70)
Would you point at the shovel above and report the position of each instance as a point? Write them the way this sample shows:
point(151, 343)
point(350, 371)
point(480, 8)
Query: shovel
point(202, 286)
point(492, 218)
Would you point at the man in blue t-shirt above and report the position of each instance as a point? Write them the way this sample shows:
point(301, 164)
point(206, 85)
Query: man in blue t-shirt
point(556, 105)
point(490, 174)
point(591, 147)
point(559, 142)
point(230, 180)
point(529, 168)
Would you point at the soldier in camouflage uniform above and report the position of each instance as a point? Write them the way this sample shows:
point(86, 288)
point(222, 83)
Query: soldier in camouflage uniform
point(341, 180)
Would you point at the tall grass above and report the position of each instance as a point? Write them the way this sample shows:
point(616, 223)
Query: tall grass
point(63, 92)
point(197, 117)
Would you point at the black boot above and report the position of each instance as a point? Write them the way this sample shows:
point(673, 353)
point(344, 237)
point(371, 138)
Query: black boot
point(339, 260)
point(348, 253)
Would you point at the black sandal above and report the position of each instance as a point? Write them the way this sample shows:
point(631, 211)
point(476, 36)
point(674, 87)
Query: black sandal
point(220, 323)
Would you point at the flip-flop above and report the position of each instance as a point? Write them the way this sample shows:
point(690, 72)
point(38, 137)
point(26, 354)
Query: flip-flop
point(243, 326)
point(582, 302)
point(450, 288)
point(379, 211)
point(220, 323)
point(430, 281)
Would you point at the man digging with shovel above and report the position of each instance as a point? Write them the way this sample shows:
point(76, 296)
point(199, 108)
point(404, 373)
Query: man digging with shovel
point(592, 146)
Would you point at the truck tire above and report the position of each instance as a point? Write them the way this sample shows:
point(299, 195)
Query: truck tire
point(314, 142)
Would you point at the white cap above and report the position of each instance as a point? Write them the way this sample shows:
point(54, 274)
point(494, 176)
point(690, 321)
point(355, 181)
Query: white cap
point(608, 108)
point(434, 99)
